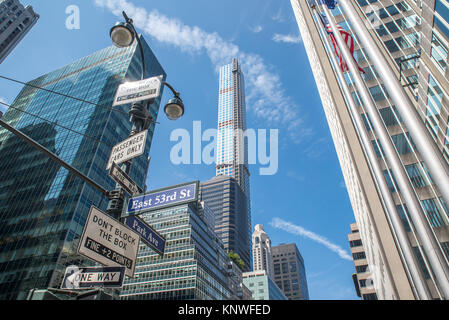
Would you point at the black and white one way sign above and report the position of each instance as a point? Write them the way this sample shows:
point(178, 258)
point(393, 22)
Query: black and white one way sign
point(103, 277)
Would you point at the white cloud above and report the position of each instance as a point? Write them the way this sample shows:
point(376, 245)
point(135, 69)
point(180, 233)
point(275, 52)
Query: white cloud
point(300, 231)
point(265, 95)
point(256, 29)
point(287, 38)
point(278, 17)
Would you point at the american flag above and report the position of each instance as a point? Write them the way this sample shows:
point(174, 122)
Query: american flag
point(330, 3)
point(346, 37)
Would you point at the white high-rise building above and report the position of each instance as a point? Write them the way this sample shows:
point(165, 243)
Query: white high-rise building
point(262, 256)
point(15, 22)
point(398, 204)
point(232, 149)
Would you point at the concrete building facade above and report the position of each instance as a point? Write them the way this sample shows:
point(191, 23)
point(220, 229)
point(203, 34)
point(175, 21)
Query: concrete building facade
point(262, 254)
point(362, 276)
point(15, 22)
point(412, 35)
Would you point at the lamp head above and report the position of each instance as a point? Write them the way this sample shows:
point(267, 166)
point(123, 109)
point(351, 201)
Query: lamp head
point(174, 109)
point(122, 35)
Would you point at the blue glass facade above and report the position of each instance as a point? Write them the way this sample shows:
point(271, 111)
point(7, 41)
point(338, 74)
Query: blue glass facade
point(43, 207)
point(227, 200)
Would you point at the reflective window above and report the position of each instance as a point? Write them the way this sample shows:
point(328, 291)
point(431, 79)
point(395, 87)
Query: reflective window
point(417, 178)
point(403, 217)
point(433, 213)
point(442, 17)
point(389, 116)
point(391, 46)
point(401, 143)
point(434, 97)
point(390, 184)
point(439, 52)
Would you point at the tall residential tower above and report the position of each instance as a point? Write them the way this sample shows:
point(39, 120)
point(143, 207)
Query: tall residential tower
point(232, 149)
point(228, 194)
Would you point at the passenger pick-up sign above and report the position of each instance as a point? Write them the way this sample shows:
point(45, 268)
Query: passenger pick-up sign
point(107, 241)
point(128, 149)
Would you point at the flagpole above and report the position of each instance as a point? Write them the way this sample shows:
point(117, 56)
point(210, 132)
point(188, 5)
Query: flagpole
point(411, 265)
point(430, 245)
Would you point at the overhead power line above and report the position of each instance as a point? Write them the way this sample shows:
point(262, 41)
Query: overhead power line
point(56, 124)
point(64, 95)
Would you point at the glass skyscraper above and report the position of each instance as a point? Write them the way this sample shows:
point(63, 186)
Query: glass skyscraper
point(229, 203)
point(413, 36)
point(194, 264)
point(43, 207)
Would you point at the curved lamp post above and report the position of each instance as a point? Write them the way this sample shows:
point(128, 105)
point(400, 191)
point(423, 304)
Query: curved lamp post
point(123, 35)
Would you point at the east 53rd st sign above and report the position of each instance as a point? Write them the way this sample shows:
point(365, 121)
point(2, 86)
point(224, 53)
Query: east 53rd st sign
point(167, 197)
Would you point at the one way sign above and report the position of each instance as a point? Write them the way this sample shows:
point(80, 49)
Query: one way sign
point(103, 277)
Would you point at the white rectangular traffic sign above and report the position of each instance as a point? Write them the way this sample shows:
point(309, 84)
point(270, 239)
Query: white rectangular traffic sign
point(109, 242)
point(128, 149)
point(124, 180)
point(93, 277)
point(136, 91)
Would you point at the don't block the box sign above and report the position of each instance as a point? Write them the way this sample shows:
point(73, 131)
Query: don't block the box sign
point(109, 242)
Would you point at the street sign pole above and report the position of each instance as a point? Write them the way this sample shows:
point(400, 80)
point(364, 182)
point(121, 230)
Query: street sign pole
point(141, 120)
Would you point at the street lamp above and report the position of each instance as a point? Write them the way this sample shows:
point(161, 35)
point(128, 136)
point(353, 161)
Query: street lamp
point(123, 35)
point(174, 109)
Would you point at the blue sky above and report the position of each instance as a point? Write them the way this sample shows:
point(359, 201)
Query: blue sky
point(306, 201)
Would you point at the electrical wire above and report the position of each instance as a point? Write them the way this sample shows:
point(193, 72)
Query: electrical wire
point(63, 95)
point(56, 124)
